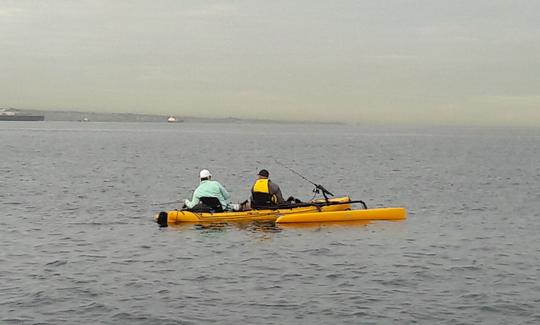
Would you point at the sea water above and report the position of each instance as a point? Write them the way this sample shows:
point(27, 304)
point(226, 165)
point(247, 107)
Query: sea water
point(79, 245)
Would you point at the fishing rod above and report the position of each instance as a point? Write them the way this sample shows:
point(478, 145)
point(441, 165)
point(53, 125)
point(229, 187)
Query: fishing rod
point(177, 201)
point(318, 187)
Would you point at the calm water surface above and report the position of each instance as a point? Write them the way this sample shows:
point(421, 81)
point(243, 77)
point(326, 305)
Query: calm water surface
point(78, 244)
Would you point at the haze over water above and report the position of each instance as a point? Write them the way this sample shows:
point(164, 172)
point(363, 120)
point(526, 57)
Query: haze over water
point(79, 244)
point(401, 62)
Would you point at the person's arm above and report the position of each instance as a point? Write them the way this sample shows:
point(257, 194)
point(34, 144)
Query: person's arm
point(194, 201)
point(224, 192)
point(275, 190)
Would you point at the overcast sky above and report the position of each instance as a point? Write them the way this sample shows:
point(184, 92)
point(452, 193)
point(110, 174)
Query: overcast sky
point(443, 62)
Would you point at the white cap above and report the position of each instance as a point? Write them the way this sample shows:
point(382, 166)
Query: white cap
point(205, 173)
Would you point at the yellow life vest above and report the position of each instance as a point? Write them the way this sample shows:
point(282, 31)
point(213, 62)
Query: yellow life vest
point(261, 193)
point(261, 186)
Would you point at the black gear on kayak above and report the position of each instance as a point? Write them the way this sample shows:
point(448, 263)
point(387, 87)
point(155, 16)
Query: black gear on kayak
point(162, 219)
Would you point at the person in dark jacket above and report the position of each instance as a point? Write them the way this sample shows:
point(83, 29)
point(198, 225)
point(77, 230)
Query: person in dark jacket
point(264, 192)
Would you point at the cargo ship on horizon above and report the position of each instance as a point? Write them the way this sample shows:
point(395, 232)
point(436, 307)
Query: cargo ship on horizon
point(12, 115)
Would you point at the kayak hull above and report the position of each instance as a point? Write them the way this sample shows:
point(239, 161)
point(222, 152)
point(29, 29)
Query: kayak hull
point(180, 216)
point(341, 216)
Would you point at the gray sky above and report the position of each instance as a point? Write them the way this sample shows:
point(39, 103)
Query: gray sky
point(444, 62)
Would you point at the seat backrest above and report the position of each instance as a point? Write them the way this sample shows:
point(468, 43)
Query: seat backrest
point(213, 203)
point(261, 200)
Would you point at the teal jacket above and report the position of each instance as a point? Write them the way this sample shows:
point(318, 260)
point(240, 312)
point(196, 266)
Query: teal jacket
point(210, 188)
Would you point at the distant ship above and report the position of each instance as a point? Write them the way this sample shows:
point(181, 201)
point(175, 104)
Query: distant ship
point(171, 119)
point(10, 115)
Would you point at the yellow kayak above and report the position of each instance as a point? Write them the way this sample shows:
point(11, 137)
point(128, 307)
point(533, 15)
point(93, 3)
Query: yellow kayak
point(336, 209)
point(178, 216)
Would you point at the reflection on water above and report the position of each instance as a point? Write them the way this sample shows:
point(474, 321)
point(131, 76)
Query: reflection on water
point(252, 226)
point(269, 226)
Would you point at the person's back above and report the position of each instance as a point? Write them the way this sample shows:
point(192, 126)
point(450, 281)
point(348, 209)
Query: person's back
point(209, 189)
point(264, 192)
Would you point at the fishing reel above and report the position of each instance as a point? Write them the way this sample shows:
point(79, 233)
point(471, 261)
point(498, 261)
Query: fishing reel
point(320, 189)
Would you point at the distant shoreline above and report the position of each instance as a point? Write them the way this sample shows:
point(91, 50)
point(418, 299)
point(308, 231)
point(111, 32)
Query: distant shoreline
point(75, 116)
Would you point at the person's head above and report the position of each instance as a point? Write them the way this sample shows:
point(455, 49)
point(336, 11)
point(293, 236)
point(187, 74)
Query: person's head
point(263, 174)
point(205, 175)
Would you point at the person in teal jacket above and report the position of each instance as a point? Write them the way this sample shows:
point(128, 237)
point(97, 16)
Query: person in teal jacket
point(209, 188)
